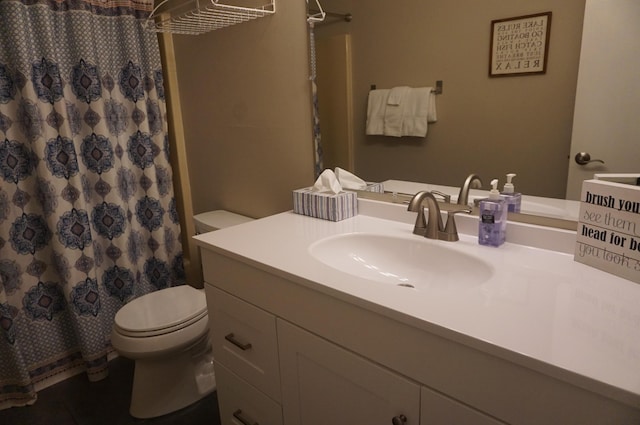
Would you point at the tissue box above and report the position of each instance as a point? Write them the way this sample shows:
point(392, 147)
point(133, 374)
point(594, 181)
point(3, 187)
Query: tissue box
point(371, 187)
point(374, 187)
point(325, 205)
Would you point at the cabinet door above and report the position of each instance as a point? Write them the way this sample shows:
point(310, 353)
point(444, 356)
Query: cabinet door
point(438, 409)
point(323, 383)
point(241, 403)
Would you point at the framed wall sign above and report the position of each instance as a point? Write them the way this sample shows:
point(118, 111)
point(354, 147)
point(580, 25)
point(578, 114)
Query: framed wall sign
point(519, 46)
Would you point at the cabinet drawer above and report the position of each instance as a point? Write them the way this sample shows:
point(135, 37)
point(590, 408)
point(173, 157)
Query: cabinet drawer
point(242, 404)
point(244, 340)
point(438, 409)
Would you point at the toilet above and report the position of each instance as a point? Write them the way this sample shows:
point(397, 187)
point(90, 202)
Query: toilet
point(166, 332)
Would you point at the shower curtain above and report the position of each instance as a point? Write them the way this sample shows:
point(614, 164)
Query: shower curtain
point(88, 217)
point(317, 135)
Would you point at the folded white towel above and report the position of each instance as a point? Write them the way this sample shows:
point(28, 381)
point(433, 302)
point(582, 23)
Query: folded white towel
point(376, 106)
point(401, 111)
point(396, 103)
point(418, 110)
point(396, 95)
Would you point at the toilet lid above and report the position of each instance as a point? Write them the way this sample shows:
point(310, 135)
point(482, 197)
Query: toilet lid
point(162, 310)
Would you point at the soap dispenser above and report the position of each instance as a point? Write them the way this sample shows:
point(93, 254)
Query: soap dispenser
point(493, 218)
point(513, 198)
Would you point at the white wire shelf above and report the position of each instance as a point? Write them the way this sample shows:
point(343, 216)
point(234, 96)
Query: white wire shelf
point(200, 16)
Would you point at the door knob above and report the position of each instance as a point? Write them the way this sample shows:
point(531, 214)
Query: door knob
point(399, 420)
point(583, 158)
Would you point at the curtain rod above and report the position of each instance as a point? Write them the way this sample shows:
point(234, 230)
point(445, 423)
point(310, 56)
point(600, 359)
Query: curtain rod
point(347, 17)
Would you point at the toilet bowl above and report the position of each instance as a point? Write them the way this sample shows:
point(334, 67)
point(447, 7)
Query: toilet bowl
point(166, 332)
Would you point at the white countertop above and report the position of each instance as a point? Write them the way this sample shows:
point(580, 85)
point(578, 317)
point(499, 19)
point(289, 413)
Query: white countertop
point(539, 308)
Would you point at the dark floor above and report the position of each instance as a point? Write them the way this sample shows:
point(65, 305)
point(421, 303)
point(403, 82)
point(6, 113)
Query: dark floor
point(77, 401)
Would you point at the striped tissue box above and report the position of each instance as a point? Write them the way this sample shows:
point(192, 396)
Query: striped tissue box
point(325, 205)
point(375, 187)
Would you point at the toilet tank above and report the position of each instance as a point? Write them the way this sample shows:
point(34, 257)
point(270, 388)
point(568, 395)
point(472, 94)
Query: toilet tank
point(218, 219)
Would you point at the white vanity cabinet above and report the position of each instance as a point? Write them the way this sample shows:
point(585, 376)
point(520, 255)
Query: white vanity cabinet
point(318, 357)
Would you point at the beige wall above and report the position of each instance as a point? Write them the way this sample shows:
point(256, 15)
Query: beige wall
point(490, 126)
point(246, 110)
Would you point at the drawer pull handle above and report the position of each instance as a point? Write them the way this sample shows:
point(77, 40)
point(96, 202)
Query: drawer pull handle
point(399, 420)
point(244, 346)
point(244, 419)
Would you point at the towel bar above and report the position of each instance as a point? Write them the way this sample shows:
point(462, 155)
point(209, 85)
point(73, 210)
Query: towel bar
point(436, 90)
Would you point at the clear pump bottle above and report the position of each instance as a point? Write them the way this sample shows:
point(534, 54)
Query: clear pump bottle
point(513, 198)
point(493, 218)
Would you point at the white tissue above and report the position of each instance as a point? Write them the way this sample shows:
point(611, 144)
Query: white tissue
point(349, 181)
point(327, 182)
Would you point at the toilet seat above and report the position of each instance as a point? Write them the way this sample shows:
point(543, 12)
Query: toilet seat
point(140, 347)
point(161, 312)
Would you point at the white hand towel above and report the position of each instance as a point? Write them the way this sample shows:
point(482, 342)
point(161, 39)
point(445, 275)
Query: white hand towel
point(419, 107)
point(376, 106)
point(349, 181)
point(327, 183)
point(396, 103)
point(396, 95)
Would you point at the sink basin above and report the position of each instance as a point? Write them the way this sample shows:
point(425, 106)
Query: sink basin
point(412, 262)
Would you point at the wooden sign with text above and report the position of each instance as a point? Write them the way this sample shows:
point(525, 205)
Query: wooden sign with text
point(609, 228)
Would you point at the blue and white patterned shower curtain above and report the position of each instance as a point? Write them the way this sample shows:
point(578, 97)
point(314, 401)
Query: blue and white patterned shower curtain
point(87, 213)
point(318, 167)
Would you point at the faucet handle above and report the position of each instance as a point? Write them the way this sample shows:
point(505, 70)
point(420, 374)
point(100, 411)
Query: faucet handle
point(445, 196)
point(420, 227)
point(450, 232)
point(415, 205)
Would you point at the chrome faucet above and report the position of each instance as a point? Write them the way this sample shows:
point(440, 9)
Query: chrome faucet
point(472, 181)
point(432, 227)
